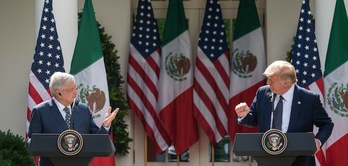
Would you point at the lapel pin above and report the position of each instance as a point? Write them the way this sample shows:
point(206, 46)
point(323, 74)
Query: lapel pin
point(299, 102)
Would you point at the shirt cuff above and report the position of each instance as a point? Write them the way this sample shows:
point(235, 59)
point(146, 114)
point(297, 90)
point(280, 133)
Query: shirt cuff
point(239, 119)
point(107, 128)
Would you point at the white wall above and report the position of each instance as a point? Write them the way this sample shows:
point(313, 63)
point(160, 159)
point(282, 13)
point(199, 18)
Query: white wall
point(281, 24)
point(16, 53)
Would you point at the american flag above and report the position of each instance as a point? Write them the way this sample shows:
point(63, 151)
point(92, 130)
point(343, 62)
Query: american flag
point(211, 78)
point(143, 75)
point(48, 59)
point(305, 58)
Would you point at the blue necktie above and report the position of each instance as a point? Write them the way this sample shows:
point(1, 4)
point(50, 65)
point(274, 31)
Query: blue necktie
point(278, 115)
point(67, 116)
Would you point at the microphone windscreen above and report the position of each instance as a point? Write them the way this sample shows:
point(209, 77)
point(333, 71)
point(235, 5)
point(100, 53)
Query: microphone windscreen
point(270, 96)
point(77, 101)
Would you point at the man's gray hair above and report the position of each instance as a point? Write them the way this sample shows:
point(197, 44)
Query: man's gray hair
point(58, 79)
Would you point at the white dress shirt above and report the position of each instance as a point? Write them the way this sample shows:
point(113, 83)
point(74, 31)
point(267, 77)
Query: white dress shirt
point(287, 102)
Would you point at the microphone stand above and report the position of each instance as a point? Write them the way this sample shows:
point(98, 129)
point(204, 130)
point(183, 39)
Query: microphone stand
point(271, 99)
point(72, 120)
point(75, 103)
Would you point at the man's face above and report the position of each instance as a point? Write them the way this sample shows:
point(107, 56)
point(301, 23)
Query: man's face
point(276, 85)
point(67, 93)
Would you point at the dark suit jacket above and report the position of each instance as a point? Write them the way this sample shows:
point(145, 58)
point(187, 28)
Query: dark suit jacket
point(46, 118)
point(306, 111)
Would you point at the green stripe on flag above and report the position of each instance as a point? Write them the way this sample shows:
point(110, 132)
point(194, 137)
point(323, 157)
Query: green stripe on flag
point(337, 51)
point(88, 48)
point(247, 19)
point(176, 21)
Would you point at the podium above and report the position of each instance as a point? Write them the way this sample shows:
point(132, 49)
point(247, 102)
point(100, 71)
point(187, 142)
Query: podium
point(298, 144)
point(95, 145)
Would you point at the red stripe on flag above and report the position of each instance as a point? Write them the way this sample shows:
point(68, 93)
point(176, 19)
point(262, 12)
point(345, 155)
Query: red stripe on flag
point(34, 94)
point(212, 75)
point(28, 114)
point(200, 118)
point(140, 71)
point(320, 84)
point(336, 154)
point(320, 157)
point(148, 110)
point(220, 69)
point(210, 96)
point(153, 63)
point(149, 130)
point(179, 122)
point(214, 85)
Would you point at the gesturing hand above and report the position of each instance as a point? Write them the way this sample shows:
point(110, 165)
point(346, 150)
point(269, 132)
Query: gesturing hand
point(110, 116)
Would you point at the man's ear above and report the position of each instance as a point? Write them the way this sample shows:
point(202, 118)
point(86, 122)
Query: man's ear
point(58, 92)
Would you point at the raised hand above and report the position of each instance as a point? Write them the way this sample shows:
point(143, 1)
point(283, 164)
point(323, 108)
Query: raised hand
point(110, 116)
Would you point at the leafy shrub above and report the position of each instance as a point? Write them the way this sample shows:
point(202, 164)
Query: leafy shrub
point(13, 150)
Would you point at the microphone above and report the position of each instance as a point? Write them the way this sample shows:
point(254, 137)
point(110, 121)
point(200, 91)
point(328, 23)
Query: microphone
point(73, 105)
point(270, 96)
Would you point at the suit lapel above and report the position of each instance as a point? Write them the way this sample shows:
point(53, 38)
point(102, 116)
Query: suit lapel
point(295, 108)
point(75, 112)
point(267, 112)
point(57, 116)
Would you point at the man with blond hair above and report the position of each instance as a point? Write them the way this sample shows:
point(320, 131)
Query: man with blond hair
point(298, 109)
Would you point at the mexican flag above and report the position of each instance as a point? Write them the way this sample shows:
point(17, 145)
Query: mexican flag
point(176, 80)
point(88, 67)
point(336, 88)
point(248, 62)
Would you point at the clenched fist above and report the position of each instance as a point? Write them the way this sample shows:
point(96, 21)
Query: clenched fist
point(242, 109)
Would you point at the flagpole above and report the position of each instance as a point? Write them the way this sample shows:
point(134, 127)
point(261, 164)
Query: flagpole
point(177, 160)
point(145, 149)
point(212, 155)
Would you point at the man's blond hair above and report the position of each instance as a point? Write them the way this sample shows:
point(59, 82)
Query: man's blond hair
point(283, 69)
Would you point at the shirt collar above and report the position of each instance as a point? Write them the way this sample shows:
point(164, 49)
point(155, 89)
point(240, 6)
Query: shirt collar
point(60, 105)
point(289, 94)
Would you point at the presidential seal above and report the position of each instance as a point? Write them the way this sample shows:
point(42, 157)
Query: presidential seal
point(70, 142)
point(274, 141)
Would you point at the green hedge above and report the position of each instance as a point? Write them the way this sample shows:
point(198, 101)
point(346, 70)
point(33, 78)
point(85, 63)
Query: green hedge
point(13, 150)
